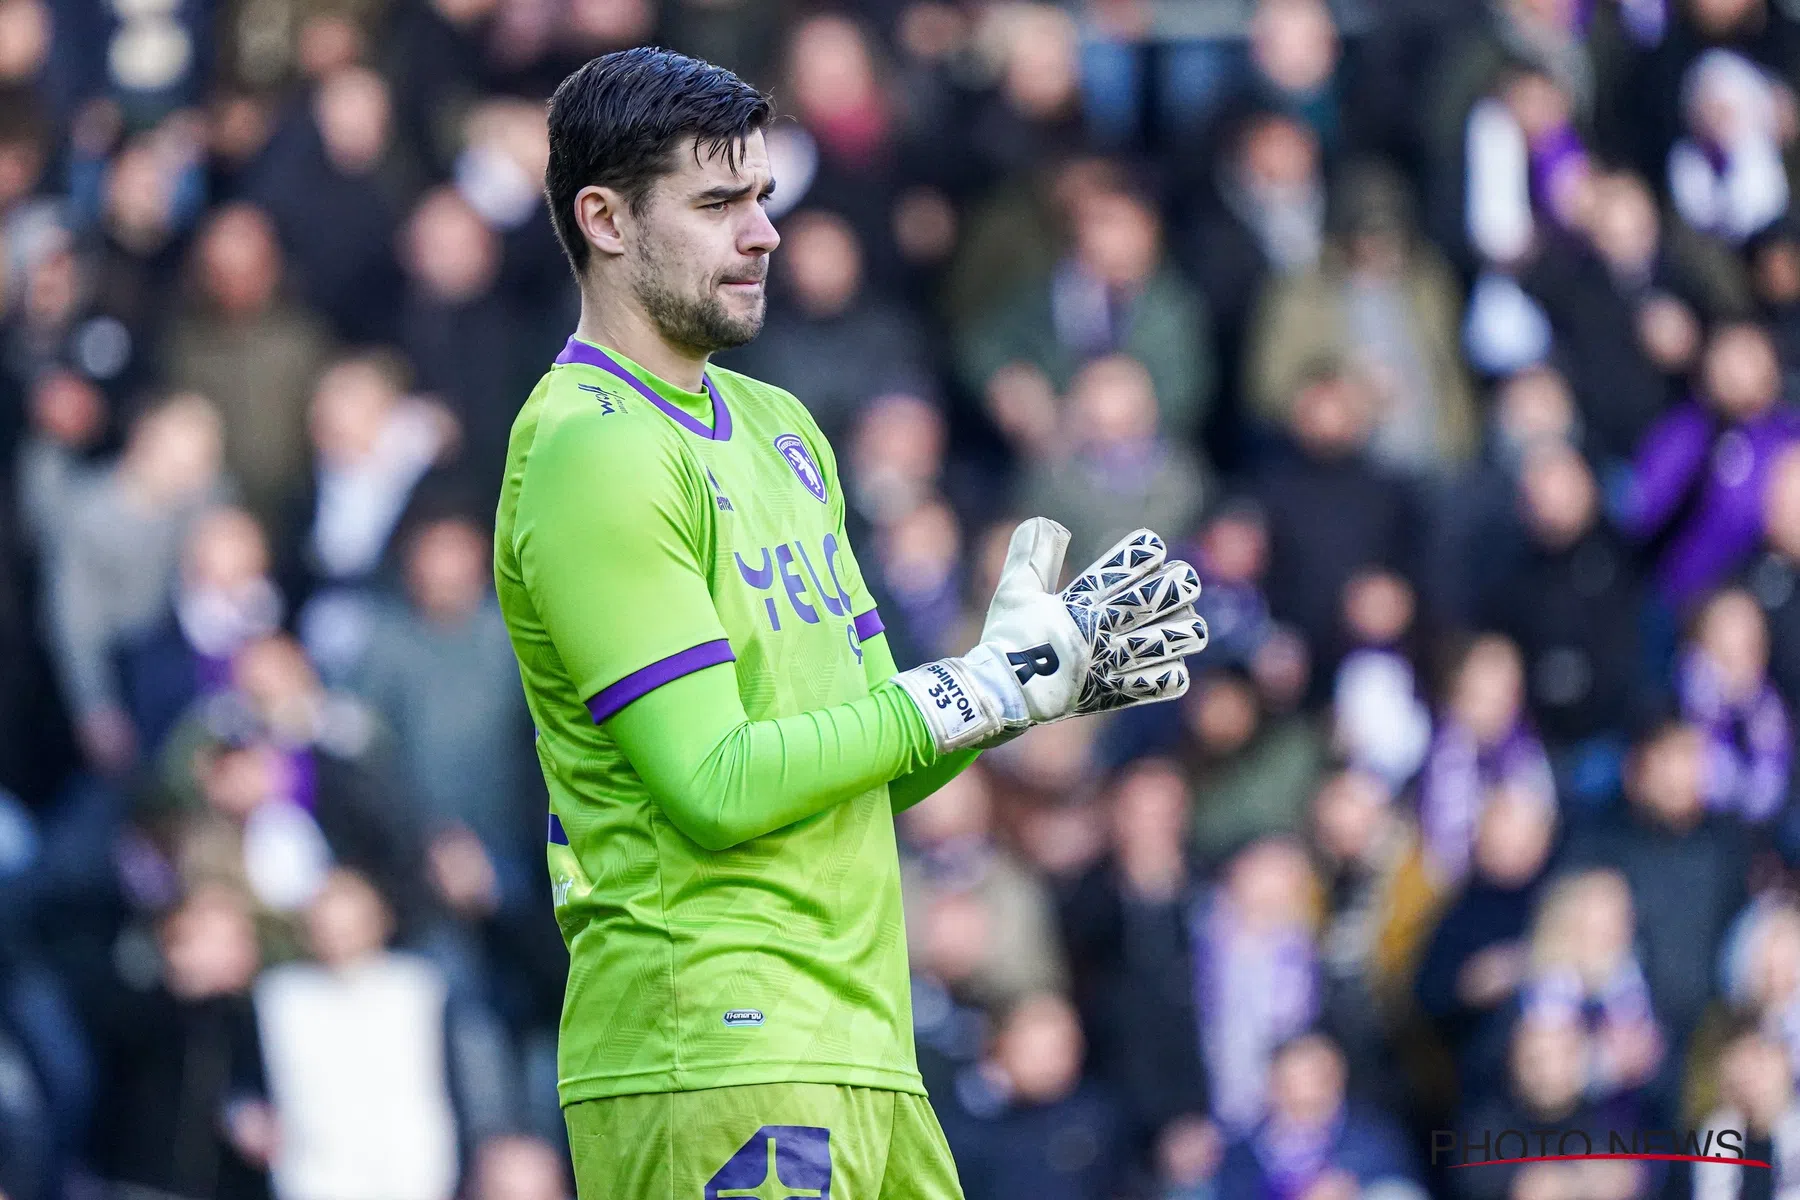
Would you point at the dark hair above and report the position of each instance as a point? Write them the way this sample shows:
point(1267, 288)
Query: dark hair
point(615, 122)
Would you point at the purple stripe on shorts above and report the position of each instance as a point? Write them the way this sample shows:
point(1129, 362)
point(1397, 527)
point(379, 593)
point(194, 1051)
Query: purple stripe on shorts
point(868, 625)
point(642, 682)
point(578, 351)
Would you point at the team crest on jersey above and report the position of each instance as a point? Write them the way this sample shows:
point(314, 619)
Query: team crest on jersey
point(800, 459)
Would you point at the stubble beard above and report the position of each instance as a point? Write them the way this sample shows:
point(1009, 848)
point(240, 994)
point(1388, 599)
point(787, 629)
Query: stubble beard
point(696, 323)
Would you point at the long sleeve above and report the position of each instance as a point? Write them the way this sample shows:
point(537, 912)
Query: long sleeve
point(723, 779)
point(1671, 458)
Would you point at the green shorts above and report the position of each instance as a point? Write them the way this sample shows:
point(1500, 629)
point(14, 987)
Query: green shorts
point(774, 1141)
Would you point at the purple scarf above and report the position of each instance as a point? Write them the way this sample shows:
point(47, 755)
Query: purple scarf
point(1748, 743)
point(1459, 773)
point(1553, 157)
point(1623, 1000)
point(1254, 990)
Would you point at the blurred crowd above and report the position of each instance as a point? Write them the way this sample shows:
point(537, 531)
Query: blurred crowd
point(1457, 342)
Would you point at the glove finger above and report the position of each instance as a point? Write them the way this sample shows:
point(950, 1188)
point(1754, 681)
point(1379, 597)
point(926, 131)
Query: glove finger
point(1034, 558)
point(1134, 556)
point(1164, 595)
point(1106, 690)
point(1174, 637)
point(1161, 681)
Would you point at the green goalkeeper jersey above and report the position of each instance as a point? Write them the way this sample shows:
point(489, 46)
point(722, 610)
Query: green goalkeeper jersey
point(646, 533)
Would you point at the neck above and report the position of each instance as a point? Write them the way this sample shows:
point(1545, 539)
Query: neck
point(607, 322)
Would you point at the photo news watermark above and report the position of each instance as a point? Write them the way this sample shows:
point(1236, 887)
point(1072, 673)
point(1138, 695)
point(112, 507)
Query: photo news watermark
point(1499, 1147)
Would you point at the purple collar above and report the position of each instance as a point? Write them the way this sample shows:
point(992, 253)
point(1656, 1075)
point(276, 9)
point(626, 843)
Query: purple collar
point(578, 351)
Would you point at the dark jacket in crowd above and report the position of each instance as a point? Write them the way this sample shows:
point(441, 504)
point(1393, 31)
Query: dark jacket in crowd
point(1594, 315)
point(1131, 960)
point(1068, 1150)
point(1575, 613)
point(1365, 1145)
point(1482, 917)
point(1686, 886)
point(1311, 559)
point(170, 1071)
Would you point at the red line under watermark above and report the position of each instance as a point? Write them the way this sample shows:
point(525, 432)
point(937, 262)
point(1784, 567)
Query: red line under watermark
point(1559, 1158)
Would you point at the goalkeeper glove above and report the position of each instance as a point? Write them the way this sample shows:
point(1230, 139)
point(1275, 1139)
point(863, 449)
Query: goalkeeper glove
point(1114, 637)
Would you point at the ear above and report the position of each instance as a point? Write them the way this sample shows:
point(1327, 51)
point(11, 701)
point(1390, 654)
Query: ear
point(599, 214)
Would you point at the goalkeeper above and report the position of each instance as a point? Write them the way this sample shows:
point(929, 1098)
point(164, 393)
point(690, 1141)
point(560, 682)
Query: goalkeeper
point(720, 724)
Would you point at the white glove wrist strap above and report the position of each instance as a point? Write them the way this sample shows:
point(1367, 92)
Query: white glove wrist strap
point(966, 701)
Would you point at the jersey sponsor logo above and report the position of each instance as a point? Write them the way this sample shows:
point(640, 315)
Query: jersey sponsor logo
point(608, 404)
point(789, 568)
point(744, 1016)
point(800, 459)
point(779, 1162)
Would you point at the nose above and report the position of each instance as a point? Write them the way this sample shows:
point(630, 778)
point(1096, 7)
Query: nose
point(758, 236)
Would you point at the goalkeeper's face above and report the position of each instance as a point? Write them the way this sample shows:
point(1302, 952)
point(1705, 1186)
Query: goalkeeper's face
point(700, 258)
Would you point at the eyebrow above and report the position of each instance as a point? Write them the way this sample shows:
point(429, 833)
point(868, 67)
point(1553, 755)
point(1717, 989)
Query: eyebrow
point(726, 192)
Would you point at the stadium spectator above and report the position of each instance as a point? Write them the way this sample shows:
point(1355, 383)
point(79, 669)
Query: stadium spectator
point(1544, 1086)
point(1700, 473)
point(1374, 919)
point(1482, 745)
point(1124, 922)
point(1759, 972)
point(1725, 691)
point(1024, 1123)
point(1686, 867)
point(243, 344)
point(1726, 175)
point(357, 1056)
point(459, 329)
point(1233, 558)
point(373, 445)
point(1477, 956)
point(224, 598)
point(436, 672)
point(1381, 300)
point(823, 315)
point(1757, 1086)
point(109, 575)
point(1114, 292)
point(1585, 969)
point(1255, 974)
point(190, 1045)
point(334, 181)
point(1115, 469)
point(1252, 769)
point(1312, 1141)
point(1379, 719)
point(1625, 303)
point(1580, 633)
point(953, 852)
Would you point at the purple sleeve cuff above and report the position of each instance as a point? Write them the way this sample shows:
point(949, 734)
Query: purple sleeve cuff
point(868, 625)
point(645, 680)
